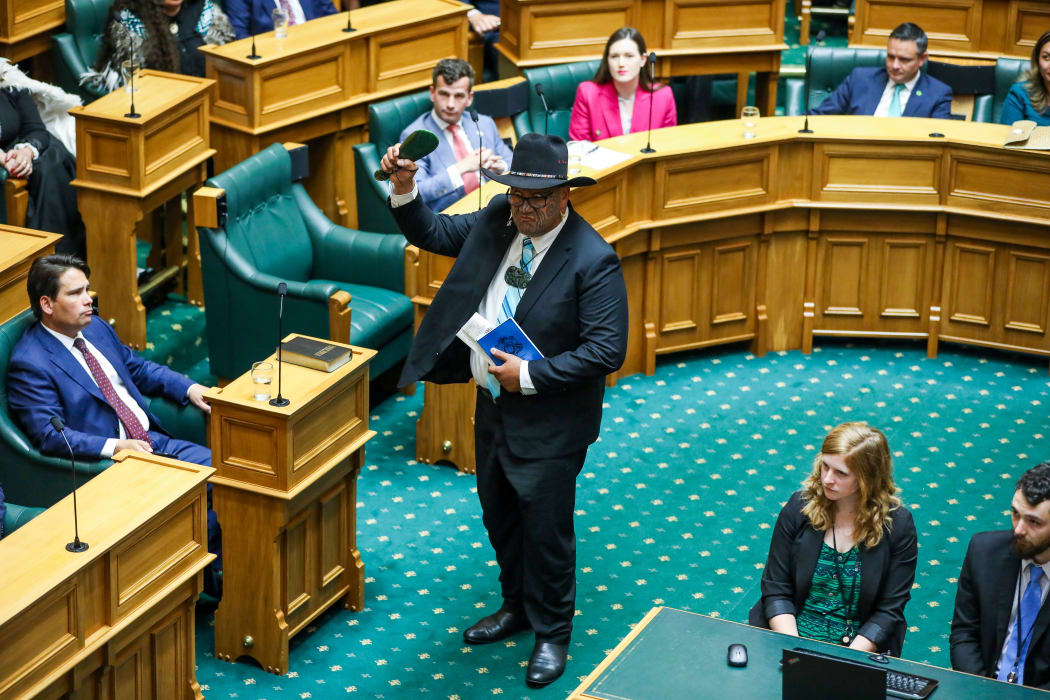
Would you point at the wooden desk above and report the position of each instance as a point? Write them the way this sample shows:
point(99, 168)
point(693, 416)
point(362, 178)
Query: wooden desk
point(958, 28)
point(285, 490)
point(26, 27)
point(115, 621)
point(866, 228)
point(671, 653)
point(316, 84)
point(690, 38)
point(126, 168)
point(18, 248)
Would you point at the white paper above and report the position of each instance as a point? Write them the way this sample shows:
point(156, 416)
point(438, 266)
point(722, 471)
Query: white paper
point(476, 327)
point(600, 158)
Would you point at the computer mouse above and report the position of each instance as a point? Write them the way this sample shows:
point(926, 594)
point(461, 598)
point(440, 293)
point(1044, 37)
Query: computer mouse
point(737, 655)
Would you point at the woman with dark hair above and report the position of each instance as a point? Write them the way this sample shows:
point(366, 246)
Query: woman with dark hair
point(617, 100)
point(842, 558)
point(1030, 98)
point(158, 34)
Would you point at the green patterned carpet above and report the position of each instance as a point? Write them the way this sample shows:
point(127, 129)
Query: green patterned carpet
point(674, 507)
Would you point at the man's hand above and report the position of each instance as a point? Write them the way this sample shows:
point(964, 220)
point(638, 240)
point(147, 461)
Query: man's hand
point(509, 373)
point(136, 445)
point(19, 162)
point(482, 23)
point(196, 397)
point(471, 162)
point(495, 163)
point(402, 171)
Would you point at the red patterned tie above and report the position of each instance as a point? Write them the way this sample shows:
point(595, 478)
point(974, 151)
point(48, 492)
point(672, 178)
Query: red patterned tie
point(132, 426)
point(470, 180)
point(287, 7)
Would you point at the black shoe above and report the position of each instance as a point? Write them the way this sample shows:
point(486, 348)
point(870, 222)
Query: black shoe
point(547, 663)
point(499, 625)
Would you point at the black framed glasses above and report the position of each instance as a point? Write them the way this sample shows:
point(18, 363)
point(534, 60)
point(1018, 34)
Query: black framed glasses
point(536, 201)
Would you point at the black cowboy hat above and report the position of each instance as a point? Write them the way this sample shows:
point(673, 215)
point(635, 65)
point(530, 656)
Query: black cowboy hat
point(539, 163)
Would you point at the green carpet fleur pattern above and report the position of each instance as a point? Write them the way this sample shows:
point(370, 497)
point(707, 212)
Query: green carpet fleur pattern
point(675, 506)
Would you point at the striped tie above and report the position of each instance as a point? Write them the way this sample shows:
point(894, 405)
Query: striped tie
point(511, 299)
point(132, 426)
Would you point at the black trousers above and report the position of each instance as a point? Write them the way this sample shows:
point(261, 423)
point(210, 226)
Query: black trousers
point(527, 506)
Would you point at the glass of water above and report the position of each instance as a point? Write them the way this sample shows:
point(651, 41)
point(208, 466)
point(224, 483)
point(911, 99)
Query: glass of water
point(127, 68)
point(280, 23)
point(749, 115)
point(262, 378)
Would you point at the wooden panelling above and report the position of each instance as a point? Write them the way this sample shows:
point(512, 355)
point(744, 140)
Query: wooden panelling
point(696, 184)
point(844, 278)
point(681, 293)
point(714, 23)
point(855, 173)
point(904, 275)
point(970, 277)
point(1027, 22)
point(998, 182)
point(1027, 292)
point(557, 30)
point(332, 546)
point(295, 550)
point(732, 293)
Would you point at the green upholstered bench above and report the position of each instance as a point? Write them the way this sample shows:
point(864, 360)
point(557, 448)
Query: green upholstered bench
point(16, 516)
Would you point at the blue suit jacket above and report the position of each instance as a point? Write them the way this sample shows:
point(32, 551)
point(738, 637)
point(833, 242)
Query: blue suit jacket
point(253, 16)
point(862, 89)
point(435, 186)
point(45, 380)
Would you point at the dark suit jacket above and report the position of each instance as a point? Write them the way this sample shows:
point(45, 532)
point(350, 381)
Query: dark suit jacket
point(574, 310)
point(862, 89)
point(253, 16)
point(45, 380)
point(887, 572)
point(986, 588)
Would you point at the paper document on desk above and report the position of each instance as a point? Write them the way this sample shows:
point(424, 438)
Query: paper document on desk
point(1026, 134)
point(600, 158)
point(475, 328)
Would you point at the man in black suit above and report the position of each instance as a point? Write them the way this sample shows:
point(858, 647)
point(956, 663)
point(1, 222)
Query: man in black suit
point(1002, 568)
point(527, 255)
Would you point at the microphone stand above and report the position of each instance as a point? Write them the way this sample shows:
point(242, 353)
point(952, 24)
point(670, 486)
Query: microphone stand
point(254, 56)
point(76, 546)
point(652, 93)
point(546, 109)
point(805, 126)
point(132, 114)
point(349, 28)
point(282, 289)
point(481, 147)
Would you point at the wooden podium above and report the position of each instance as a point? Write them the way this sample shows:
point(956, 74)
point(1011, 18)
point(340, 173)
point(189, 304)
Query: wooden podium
point(315, 85)
point(285, 492)
point(867, 227)
point(115, 621)
point(126, 168)
point(18, 248)
point(689, 37)
point(984, 29)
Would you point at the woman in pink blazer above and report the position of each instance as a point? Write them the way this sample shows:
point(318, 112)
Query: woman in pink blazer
point(617, 100)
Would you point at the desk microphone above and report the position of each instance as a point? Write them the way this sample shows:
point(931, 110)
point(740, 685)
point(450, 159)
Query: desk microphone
point(652, 94)
point(76, 546)
point(481, 147)
point(349, 27)
point(805, 127)
point(251, 27)
point(282, 290)
point(546, 109)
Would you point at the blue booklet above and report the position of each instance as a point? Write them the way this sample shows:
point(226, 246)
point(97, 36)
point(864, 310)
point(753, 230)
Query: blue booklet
point(509, 338)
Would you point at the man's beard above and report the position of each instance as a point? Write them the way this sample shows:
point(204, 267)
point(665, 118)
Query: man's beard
point(1028, 550)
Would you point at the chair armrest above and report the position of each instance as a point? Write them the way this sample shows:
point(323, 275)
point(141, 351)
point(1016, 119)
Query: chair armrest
point(184, 421)
point(69, 66)
point(522, 123)
point(794, 97)
point(982, 108)
point(17, 516)
point(368, 157)
point(373, 214)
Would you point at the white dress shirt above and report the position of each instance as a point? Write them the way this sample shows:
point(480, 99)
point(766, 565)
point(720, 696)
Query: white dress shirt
point(298, 16)
point(493, 299)
point(1044, 586)
point(883, 110)
point(453, 172)
point(114, 379)
point(626, 112)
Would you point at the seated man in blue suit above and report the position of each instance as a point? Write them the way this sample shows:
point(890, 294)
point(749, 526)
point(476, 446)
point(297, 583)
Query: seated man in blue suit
point(255, 16)
point(71, 365)
point(898, 90)
point(452, 171)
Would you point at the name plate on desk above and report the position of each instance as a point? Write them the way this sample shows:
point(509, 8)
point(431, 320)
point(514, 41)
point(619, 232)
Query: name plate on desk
point(277, 449)
point(139, 154)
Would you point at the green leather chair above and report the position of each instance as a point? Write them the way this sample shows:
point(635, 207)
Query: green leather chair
point(559, 87)
point(76, 50)
point(17, 516)
point(1007, 72)
point(386, 121)
point(35, 479)
point(273, 232)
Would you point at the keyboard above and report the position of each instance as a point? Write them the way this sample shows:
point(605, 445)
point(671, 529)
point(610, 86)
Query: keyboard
point(898, 683)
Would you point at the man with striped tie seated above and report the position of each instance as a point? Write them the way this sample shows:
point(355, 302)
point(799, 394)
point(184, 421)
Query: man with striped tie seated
point(1000, 624)
point(898, 90)
point(71, 365)
point(464, 146)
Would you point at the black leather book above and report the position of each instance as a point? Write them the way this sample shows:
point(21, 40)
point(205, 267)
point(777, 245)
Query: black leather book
point(315, 354)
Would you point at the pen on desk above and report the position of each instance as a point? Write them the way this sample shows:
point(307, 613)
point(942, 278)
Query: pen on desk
point(592, 150)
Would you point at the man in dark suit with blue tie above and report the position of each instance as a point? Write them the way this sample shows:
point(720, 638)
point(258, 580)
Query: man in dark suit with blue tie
point(528, 256)
point(71, 365)
point(1000, 627)
point(900, 89)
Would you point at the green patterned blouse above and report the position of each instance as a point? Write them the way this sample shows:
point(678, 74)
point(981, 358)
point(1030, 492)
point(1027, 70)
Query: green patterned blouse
point(823, 617)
